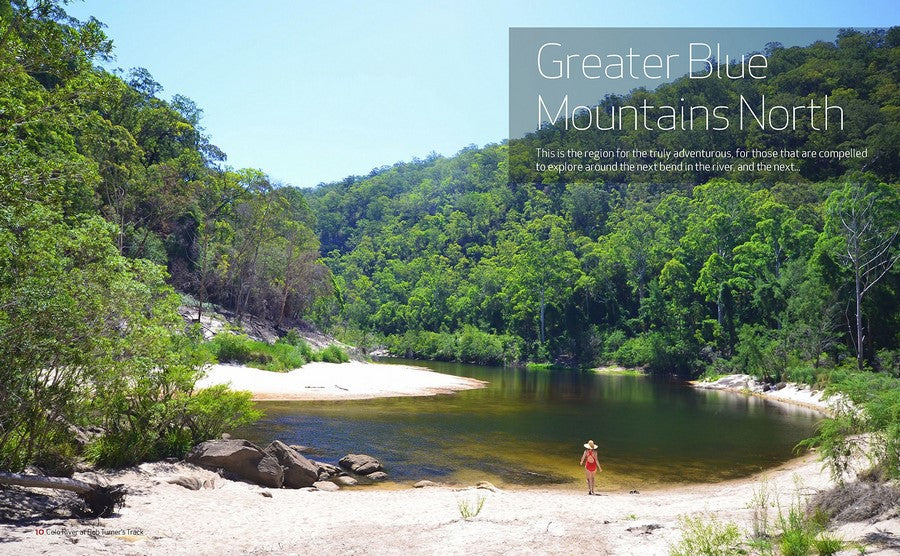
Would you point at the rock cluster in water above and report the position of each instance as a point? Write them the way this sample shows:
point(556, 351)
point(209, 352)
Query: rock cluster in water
point(281, 466)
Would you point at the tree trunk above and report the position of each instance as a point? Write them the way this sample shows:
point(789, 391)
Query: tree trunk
point(101, 500)
point(543, 307)
point(859, 331)
point(720, 309)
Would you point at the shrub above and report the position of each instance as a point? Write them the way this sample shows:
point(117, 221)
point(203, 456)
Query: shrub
point(334, 354)
point(232, 348)
point(154, 412)
point(634, 352)
point(468, 345)
point(799, 529)
point(285, 357)
point(280, 356)
point(707, 536)
point(828, 545)
point(612, 343)
point(657, 351)
point(760, 504)
point(804, 374)
point(872, 419)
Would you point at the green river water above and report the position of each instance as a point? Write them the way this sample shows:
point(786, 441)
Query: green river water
point(527, 428)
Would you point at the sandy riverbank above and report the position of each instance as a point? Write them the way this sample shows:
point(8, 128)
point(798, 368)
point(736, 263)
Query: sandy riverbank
point(330, 381)
point(161, 518)
point(792, 393)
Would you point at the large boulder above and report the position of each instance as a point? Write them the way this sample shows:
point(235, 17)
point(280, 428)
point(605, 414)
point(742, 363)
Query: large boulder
point(360, 464)
point(299, 472)
point(241, 457)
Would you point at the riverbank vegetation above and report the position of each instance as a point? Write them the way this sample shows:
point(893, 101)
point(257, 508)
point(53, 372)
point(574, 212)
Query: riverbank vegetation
point(288, 353)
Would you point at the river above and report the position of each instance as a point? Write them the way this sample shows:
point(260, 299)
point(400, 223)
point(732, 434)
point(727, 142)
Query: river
point(527, 428)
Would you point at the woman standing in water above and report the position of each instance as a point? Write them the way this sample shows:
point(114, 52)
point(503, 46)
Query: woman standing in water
point(591, 466)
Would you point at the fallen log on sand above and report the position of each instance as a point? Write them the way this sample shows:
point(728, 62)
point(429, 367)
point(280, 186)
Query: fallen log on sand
point(100, 500)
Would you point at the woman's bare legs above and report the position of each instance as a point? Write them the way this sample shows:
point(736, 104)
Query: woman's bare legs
point(590, 481)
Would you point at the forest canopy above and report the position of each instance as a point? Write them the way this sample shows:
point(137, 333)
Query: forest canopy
point(685, 272)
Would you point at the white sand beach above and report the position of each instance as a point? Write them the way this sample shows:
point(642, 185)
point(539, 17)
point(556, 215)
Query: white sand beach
point(238, 518)
point(331, 381)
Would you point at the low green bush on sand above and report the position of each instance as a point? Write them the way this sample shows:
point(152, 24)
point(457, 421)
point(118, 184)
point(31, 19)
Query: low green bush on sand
point(707, 536)
point(289, 352)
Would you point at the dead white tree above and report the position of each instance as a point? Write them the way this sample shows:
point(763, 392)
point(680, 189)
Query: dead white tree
point(869, 235)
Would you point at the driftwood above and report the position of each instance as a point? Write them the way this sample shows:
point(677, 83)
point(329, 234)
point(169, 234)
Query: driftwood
point(100, 500)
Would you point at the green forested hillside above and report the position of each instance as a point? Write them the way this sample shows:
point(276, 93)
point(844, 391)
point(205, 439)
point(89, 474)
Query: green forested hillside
point(449, 258)
point(104, 187)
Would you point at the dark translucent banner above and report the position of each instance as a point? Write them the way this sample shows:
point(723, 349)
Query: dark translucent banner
point(675, 105)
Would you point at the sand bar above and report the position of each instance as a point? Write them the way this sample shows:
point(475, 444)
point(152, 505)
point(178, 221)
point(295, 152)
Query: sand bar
point(355, 380)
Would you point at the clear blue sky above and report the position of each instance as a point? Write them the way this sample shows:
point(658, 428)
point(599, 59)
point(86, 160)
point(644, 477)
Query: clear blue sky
point(314, 91)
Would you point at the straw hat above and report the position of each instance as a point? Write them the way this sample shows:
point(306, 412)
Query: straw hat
point(590, 445)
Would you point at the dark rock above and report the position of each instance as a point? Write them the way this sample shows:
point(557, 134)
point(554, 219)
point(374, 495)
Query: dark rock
point(779, 386)
point(423, 484)
point(377, 476)
point(345, 480)
point(299, 472)
point(326, 470)
point(266, 494)
point(360, 464)
point(241, 457)
point(644, 529)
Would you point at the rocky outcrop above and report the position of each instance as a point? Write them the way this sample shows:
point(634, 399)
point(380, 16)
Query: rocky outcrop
point(361, 464)
point(240, 457)
point(276, 466)
point(299, 472)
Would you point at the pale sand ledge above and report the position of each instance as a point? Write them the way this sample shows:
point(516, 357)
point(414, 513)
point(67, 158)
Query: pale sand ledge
point(234, 518)
point(792, 393)
point(331, 381)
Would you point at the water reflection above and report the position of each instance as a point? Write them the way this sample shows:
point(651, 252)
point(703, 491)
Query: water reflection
point(527, 427)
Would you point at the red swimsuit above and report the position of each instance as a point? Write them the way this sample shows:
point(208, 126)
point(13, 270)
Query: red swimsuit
point(591, 462)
